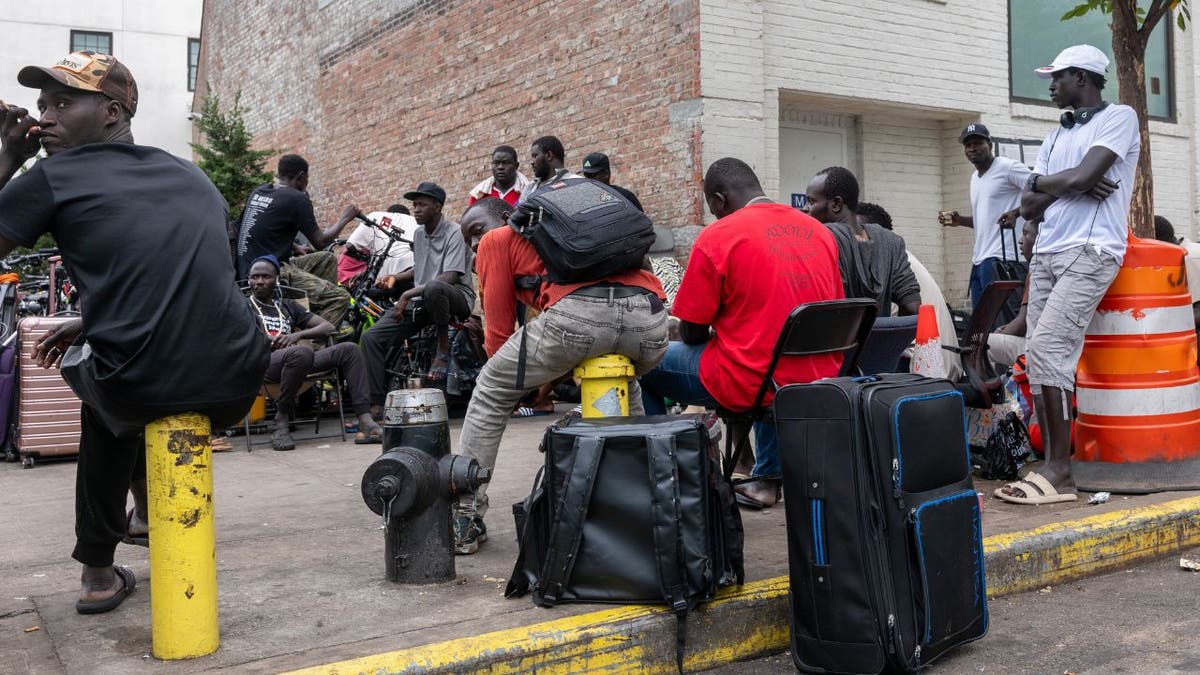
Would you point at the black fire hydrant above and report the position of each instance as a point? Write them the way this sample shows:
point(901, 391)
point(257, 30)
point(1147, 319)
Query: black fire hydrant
point(414, 485)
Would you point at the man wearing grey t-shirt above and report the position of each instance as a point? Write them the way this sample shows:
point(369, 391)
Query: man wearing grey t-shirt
point(442, 281)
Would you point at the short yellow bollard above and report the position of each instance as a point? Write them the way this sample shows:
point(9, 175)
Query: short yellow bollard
point(604, 385)
point(183, 561)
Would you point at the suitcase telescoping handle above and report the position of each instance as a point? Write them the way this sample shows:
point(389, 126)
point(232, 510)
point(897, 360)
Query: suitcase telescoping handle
point(1012, 233)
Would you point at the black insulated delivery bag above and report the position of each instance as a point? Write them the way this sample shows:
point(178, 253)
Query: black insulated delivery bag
point(583, 230)
point(885, 551)
point(629, 510)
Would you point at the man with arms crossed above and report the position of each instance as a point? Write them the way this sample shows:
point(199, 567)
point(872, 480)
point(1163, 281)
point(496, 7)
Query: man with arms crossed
point(1080, 189)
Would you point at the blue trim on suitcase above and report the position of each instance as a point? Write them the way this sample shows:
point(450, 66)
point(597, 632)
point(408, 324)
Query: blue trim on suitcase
point(819, 551)
point(980, 583)
point(896, 430)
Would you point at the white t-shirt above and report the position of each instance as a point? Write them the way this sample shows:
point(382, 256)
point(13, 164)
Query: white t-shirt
point(400, 255)
point(1191, 262)
point(1080, 220)
point(993, 194)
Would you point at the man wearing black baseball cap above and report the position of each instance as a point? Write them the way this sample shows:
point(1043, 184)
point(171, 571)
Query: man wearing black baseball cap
point(164, 329)
point(996, 187)
point(596, 167)
point(441, 276)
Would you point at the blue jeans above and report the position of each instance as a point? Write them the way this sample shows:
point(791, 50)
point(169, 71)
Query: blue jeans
point(677, 377)
point(981, 275)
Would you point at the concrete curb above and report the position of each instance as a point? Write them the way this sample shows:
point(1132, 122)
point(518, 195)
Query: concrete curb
point(751, 621)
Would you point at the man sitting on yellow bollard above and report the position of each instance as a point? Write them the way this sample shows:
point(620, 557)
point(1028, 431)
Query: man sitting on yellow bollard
point(164, 329)
point(621, 314)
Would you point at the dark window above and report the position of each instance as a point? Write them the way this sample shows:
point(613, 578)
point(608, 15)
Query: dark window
point(193, 62)
point(91, 41)
point(1037, 34)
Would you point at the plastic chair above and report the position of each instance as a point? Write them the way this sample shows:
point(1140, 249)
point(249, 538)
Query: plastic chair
point(980, 385)
point(827, 327)
point(889, 337)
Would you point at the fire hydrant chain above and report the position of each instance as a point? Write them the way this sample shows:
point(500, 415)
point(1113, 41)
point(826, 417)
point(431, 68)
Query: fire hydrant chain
point(387, 512)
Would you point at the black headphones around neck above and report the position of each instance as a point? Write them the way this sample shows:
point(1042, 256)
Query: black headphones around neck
point(1080, 116)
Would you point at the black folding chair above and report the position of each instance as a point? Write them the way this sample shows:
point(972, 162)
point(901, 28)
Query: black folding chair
point(889, 337)
point(980, 385)
point(815, 328)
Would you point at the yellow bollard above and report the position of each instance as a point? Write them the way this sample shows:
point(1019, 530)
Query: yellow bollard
point(183, 544)
point(604, 385)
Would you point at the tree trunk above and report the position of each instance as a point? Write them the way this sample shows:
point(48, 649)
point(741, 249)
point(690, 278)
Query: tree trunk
point(1129, 48)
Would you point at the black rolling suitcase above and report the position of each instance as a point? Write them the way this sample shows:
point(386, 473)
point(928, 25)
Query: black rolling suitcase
point(884, 544)
point(629, 510)
point(1010, 270)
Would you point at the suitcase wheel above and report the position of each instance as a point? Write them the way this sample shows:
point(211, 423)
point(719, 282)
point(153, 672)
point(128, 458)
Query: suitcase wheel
point(27, 462)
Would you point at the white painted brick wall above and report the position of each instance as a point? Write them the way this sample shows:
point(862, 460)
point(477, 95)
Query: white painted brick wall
point(915, 71)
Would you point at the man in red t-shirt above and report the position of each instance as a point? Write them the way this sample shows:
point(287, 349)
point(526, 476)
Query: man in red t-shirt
point(621, 314)
point(746, 273)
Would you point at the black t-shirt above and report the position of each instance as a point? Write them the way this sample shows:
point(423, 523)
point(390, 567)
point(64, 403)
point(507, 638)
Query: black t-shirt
point(143, 233)
point(280, 317)
point(270, 221)
point(628, 194)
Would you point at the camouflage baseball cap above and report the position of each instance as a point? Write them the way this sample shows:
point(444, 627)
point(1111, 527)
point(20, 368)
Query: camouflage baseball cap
point(89, 71)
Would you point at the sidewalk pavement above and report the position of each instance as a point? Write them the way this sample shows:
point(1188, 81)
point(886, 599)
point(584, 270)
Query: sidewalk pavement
point(301, 574)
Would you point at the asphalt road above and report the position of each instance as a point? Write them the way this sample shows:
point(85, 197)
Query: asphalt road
point(1141, 620)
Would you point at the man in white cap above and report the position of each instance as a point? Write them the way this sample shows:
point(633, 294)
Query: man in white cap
point(1080, 189)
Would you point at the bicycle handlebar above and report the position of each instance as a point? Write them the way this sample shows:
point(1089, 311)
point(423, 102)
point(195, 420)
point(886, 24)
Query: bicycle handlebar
point(392, 234)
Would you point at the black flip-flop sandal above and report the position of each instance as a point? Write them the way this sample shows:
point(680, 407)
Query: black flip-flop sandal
point(128, 583)
point(132, 539)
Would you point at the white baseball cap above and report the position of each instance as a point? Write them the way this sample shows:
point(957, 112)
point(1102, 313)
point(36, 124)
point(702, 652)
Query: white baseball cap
point(1084, 57)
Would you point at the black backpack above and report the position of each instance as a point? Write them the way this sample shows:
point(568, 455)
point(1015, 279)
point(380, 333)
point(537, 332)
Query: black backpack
point(629, 510)
point(583, 230)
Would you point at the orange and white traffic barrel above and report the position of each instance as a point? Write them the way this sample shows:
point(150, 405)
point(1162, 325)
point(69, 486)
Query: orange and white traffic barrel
point(1137, 385)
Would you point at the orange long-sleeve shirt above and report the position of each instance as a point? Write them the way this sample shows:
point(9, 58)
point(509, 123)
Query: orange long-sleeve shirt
point(502, 257)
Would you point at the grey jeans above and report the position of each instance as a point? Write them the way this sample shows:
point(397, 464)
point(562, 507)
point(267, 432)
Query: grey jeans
point(573, 329)
point(1064, 290)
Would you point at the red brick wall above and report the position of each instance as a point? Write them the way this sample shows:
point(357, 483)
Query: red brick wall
point(379, 99)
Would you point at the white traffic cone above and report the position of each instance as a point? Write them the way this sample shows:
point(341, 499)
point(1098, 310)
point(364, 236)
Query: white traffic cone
point(927, 356)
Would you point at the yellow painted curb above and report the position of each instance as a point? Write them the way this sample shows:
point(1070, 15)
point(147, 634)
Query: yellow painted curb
point(751, 620)
point(1021, 561)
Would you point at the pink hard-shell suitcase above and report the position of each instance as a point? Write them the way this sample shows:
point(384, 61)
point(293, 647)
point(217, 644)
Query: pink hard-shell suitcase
point(47, 409)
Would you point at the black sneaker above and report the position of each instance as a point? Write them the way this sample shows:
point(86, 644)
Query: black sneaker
point(469, 532)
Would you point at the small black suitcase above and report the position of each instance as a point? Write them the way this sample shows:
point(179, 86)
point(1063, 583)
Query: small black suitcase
point(629, 510)
point(885, 548)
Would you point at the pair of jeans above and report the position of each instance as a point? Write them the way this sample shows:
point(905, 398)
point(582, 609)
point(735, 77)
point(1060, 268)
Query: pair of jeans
point(443, 304)
point(290, 365)
point(677, 377)
point(554, 342)
point(982, 275)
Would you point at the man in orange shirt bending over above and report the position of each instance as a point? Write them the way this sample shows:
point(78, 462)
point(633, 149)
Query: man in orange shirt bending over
point(621, 314)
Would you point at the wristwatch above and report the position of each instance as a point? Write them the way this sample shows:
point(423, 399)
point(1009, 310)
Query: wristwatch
point(1031, 182)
